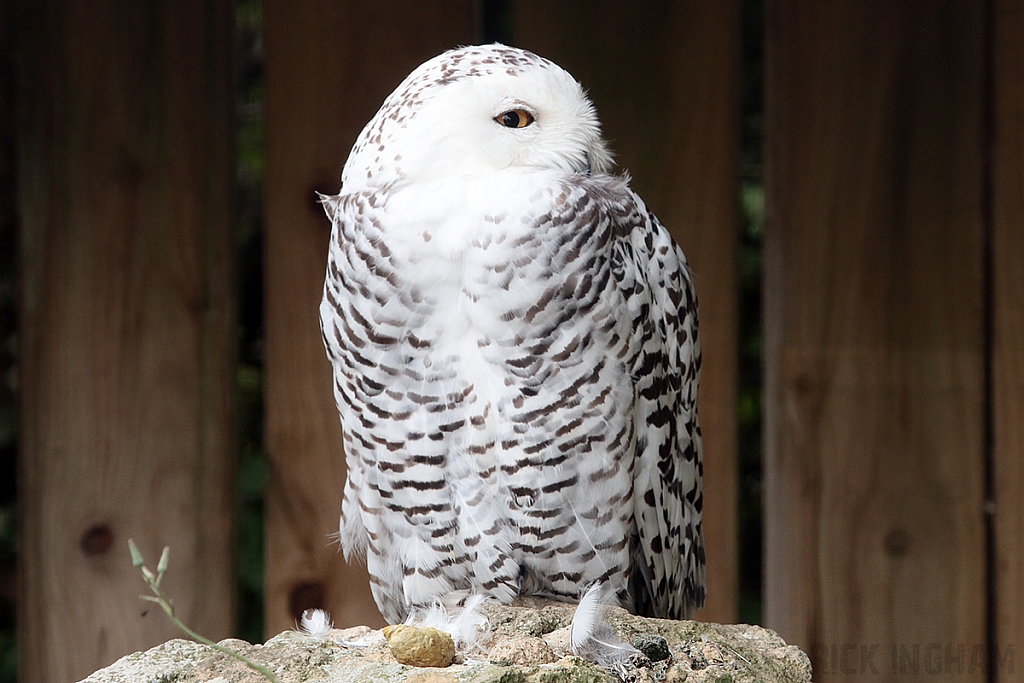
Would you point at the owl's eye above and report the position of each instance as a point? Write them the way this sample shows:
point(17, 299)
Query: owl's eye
point(515, 118)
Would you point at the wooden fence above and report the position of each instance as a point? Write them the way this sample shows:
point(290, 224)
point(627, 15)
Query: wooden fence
point(894, 307)
point(894, 378)
point(125, 172)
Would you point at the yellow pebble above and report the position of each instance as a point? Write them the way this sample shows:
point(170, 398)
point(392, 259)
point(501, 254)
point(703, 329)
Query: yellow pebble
point(417, 646)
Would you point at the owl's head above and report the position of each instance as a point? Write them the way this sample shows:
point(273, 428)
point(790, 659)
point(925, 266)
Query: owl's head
point(476, 110)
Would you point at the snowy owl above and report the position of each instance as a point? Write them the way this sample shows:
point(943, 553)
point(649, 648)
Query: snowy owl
point(514, 342)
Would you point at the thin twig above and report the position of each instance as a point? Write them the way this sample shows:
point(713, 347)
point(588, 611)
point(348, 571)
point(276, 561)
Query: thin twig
point(153, 580)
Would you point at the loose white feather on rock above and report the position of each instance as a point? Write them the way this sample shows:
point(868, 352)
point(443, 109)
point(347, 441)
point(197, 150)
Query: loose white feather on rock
point(592, 638)
point(316, 623)
point(467, 625)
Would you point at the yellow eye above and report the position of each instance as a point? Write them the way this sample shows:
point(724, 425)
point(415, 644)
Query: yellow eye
point(515, 118)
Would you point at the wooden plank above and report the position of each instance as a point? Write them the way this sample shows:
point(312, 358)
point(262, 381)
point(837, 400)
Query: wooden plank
point(127, 334)
point(874, 335)
point(329, 67)
point(664, 79)
point(1008, 330)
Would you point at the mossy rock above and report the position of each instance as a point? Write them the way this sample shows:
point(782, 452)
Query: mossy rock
point(688, 652)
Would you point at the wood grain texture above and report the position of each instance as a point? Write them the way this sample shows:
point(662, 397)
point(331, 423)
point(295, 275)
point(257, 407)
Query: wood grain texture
point(329, 67)
point(127, 333)
point(664, 79)
point(1008, 329)
point(874, 331)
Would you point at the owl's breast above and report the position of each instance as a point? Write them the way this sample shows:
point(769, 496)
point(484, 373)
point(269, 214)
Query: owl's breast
point(505, 285)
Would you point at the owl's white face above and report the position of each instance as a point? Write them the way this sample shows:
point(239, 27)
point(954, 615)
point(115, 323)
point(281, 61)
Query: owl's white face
point(473, 111)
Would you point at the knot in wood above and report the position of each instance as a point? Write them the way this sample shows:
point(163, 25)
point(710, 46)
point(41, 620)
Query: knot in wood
point(97, 539)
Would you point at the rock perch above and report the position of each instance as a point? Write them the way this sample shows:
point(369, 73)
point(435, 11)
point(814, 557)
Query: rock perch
point(527, 643)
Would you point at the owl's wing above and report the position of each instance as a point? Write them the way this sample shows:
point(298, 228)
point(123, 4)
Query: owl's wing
point(668, 573)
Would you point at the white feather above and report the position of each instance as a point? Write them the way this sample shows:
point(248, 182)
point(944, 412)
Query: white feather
point(470, 626)
point(467, 626)
point(592, 638)
point(433, 616)
point(585, 619)
point(316, 623)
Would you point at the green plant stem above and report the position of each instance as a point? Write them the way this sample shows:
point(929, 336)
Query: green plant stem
point(162, 601)
point(153, 581)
